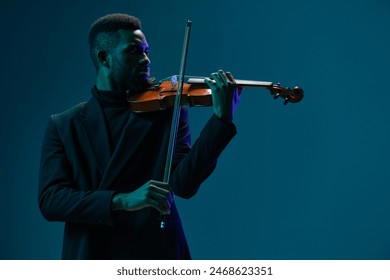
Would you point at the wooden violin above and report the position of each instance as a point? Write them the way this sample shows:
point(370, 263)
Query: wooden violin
point(196, 93)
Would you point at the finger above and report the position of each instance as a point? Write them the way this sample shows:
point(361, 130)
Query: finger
point(165, 206)
point(171, 197)
point(161, 196)
point(223, 77)
point(233, 81)
point(161, 191)
point(160, 202)
point(218, 80)
point(164, 201)
point(160, 185)
point(231, 78)
point(210, 83)
point(161, 207)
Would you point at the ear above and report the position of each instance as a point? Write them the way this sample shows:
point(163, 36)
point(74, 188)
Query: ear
point(103, 58)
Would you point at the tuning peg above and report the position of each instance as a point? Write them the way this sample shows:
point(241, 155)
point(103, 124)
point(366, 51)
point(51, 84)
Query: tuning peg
point(285, 101)
point(276, 95)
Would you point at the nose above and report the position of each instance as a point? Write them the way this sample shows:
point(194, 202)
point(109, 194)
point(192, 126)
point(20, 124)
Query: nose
point(144, 59)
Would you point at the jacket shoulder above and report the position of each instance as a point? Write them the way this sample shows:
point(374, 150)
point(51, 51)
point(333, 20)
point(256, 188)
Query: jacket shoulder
point(68, 115)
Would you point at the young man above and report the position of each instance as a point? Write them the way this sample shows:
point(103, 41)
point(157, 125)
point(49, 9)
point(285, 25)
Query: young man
point(102, 165)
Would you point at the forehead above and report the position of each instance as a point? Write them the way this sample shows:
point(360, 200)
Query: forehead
point(132, 37)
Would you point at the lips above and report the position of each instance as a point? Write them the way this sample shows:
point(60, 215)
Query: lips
point(144, 71)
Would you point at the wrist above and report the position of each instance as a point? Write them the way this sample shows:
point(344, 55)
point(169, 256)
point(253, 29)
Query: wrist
point(224, 119)
point(117, 202)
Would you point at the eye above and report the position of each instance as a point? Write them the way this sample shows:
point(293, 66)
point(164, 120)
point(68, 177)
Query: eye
point(134, 50)
point(138, 50)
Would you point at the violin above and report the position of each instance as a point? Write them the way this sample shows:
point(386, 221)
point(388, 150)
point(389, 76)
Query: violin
point(195, 92)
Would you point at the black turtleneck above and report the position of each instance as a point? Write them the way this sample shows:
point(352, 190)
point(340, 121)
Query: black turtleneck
point(116, 112)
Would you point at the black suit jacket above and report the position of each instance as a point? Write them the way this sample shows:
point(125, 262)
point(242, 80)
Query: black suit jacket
point(79, 174)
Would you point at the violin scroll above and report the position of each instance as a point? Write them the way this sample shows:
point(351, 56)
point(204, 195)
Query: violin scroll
point(289, 95)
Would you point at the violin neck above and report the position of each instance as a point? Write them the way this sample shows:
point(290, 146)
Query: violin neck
point(240, 83)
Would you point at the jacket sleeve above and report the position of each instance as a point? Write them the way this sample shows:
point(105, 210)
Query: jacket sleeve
point(192, 165)
point(60, 199)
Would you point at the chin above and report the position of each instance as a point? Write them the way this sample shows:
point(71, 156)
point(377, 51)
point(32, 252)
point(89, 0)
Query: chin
point(144, 77)
point(139, 85)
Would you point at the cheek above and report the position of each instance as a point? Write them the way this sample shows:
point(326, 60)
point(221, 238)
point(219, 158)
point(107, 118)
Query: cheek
point(121, 60)
point(127, 59)
point(128, 64)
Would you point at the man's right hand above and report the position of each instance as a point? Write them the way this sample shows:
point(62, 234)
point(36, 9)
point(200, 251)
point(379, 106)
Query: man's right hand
point(153, 193)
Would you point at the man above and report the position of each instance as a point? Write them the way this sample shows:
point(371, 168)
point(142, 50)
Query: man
point(102, 165)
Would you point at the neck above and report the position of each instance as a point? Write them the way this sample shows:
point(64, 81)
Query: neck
point(103, 82)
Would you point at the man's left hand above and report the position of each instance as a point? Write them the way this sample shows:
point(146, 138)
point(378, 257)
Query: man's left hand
point(225, 94)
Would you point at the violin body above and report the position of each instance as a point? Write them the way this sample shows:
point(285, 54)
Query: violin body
point(163, 96)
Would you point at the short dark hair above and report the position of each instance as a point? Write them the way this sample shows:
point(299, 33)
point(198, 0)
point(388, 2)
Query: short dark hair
point(103, 36)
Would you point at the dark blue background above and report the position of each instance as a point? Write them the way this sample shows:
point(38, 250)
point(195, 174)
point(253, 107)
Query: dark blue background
point(302, 181)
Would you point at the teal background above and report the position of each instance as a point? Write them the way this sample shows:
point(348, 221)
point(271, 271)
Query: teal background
point(303, 181)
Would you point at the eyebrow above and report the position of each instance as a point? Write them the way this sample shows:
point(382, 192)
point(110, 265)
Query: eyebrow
point(140, 45)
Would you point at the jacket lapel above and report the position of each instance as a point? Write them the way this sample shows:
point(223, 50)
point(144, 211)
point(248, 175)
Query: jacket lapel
point(94, 125)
